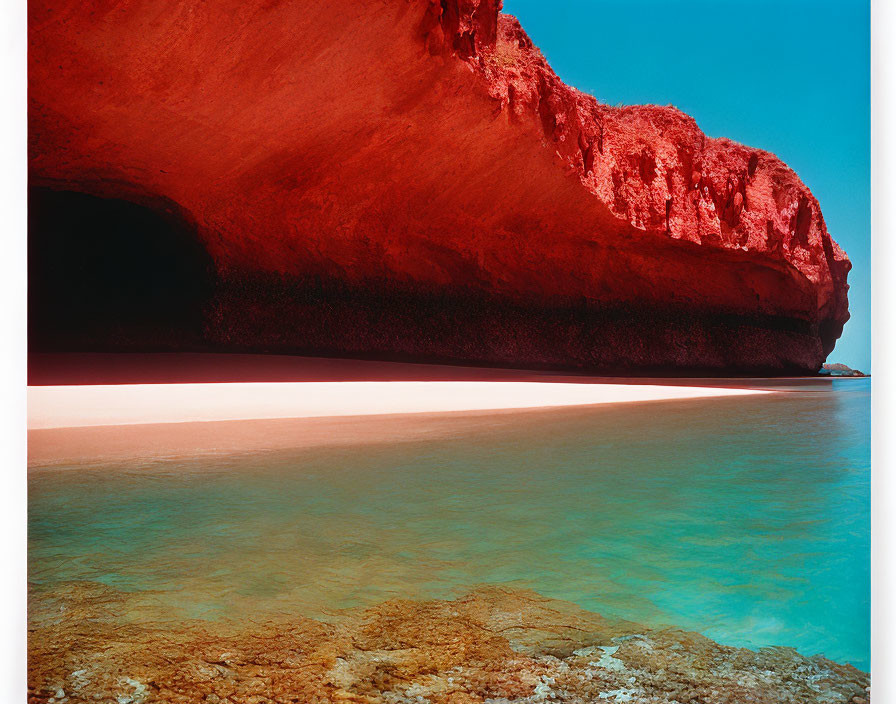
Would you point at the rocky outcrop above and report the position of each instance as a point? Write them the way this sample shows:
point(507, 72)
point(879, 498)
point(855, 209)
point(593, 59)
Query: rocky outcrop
point(493, 645)
point(840, 370)
point(410, 179)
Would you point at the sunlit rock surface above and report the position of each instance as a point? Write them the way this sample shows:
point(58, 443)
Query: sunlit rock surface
point(410, 179)
point(88, 642)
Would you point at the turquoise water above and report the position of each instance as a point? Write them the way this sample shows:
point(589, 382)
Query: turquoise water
point(746, 519)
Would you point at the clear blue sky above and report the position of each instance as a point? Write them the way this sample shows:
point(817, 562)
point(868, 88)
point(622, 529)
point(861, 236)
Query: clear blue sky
point(789, 76)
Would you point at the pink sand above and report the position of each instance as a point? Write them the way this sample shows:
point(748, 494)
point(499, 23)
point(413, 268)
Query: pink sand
point(126, 404)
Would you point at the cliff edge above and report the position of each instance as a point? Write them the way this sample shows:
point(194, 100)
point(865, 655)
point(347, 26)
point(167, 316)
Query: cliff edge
point(409, 179)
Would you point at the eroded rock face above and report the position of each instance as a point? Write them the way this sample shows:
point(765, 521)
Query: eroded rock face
point(88, 643)
point(409, 178)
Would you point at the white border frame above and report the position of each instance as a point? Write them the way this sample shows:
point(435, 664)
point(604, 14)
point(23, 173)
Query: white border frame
point(13, 487)
point(883, 293)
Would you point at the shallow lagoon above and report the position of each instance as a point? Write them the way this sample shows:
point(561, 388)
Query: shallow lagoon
point(745, 519)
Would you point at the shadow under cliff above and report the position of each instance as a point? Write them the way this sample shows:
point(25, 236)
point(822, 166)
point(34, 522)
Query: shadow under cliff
point(111, 275)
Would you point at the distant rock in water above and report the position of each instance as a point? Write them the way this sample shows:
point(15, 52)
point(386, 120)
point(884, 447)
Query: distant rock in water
point(840, 370)
point(410, 179)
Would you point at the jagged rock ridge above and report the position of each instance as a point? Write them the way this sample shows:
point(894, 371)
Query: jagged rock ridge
point(410, 179)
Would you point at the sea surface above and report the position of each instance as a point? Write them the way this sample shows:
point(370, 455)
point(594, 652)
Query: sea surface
point(746, 519)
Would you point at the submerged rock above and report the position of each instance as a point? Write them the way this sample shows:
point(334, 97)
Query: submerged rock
point(410, 179)
point(493, 645)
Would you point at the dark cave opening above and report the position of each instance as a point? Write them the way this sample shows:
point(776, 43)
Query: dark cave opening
point(107, 274)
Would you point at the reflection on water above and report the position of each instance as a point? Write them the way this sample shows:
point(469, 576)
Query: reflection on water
point(746, 519)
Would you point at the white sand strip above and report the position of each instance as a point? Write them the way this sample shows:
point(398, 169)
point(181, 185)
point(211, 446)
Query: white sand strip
point(128, 404)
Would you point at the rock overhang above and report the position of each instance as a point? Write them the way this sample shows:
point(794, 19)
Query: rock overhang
point(411, 179)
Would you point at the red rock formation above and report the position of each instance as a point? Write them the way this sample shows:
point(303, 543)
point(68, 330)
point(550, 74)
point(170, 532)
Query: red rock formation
point(410, 178)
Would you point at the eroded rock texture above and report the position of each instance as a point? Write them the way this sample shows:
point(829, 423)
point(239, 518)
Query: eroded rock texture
point(494, 645)
point(410, 179)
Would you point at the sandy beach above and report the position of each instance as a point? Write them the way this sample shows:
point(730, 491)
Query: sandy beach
point(126, 404)
point(93, 407)
point(102, 422)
